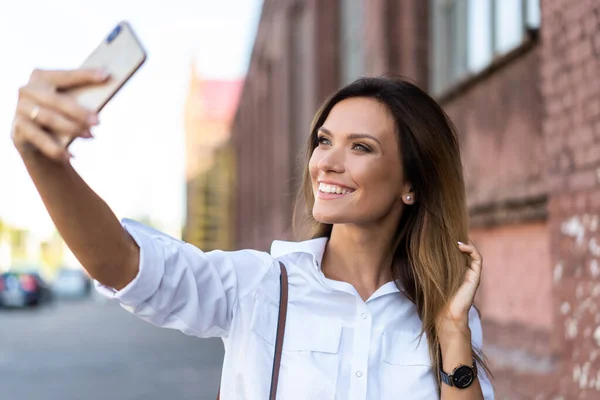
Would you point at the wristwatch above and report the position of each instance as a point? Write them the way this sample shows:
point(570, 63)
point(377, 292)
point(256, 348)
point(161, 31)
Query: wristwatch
point(461, 377)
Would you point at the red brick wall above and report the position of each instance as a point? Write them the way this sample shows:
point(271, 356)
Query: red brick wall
point(515, 298)
point(571, 89)
point(396, 35)
point(499, 117)
point(279, 100)
point(530, 135)
point(516, 288)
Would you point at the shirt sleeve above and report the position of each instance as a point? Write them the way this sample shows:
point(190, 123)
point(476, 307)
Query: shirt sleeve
point(477, 338)
point(179, 286)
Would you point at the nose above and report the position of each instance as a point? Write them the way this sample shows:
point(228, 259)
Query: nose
point(332, 161)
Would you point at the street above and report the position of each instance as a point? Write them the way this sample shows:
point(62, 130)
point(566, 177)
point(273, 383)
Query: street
point(95, 350)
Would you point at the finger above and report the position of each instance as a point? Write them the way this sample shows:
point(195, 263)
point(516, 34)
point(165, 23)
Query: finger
point(34, 135)
point(62, 103)
point(48, 118)
point(471, 250)
point(466, 248)
point(69, 78)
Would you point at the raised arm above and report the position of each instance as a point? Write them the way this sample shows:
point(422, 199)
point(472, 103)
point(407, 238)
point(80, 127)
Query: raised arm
point(84, 220)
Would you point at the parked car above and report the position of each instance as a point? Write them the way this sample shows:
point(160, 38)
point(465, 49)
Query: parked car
point(46, 295)
point(71, 284)
point(20, 289)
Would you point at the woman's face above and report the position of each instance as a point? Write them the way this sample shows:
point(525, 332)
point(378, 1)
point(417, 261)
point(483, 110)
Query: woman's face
point(356, 171)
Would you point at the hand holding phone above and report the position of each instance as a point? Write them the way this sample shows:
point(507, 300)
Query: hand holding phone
point(120, 54)
point(55, 107)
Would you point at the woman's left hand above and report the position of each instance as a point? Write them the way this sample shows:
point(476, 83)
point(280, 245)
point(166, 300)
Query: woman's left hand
point(456, 316)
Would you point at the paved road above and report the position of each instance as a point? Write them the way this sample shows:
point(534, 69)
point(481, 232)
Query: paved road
point(95, 350)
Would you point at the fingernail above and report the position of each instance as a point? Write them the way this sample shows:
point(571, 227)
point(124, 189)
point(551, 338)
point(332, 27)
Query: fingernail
point(102, 74)
point(461, 244)
point(87, 135)
point(93, 119)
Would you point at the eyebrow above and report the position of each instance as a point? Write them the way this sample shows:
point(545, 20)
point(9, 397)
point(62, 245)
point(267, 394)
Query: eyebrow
point(352, 135)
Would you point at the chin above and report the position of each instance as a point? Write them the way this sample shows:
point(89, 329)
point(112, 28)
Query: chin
point(328, 217)
point(328, 221)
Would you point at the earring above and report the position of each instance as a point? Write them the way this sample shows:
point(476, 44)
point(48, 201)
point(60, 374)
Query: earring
point(408, 197)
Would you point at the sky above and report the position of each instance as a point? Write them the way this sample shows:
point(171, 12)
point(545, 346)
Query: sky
point(136, 161)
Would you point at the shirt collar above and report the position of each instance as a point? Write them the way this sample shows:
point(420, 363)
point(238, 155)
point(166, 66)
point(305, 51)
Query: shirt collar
point(314, 247)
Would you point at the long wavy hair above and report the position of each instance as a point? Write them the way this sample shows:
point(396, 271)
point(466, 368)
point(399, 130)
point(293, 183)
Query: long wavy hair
point(428, 266)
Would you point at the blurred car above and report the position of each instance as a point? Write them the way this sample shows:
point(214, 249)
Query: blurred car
point(46, 294)
point(71, 284)
point(19, 289)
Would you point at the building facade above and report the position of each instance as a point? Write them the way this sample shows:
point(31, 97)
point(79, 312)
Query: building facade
point(519, 80)
point(210, 162)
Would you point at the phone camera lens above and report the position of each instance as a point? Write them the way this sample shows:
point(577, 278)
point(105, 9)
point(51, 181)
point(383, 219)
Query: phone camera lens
point(113, 34)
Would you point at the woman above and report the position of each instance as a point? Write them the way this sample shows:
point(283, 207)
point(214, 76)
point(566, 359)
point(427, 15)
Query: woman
point(380, 299)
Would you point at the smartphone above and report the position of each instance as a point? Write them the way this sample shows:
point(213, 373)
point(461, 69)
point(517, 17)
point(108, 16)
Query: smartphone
point(120, 54)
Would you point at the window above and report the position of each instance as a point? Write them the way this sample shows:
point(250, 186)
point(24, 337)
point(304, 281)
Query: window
point(351, 35)
point(469, 34)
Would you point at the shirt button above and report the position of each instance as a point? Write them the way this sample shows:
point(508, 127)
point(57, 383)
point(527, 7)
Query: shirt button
point(358, 374)
point(365, 315)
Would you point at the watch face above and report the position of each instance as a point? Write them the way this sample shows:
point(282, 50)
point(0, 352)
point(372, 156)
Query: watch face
point(462, 377)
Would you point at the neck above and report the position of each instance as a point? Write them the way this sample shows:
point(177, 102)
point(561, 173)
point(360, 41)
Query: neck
point(360, 256)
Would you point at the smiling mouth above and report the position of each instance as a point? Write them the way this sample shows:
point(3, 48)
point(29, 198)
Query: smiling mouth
point(333, 189)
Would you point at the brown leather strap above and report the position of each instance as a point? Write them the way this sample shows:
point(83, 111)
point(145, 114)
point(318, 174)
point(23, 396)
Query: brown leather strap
point(283, 300)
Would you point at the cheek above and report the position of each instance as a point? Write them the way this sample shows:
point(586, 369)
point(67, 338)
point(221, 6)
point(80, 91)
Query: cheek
point(313, 163)
point(380, 181)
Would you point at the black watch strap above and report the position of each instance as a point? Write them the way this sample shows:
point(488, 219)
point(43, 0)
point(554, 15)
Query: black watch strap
point(447, 379)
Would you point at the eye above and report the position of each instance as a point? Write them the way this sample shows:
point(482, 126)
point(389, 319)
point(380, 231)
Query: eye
point(361, 147)
point(323, 140)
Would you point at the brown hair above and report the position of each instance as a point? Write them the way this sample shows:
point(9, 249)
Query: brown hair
point(428, 266)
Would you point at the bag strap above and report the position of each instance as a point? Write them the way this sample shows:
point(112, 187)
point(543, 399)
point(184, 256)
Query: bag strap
point(283, 300)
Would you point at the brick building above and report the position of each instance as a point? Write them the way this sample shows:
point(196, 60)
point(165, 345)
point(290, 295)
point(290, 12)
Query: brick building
point(520, 80)
point(210, 168)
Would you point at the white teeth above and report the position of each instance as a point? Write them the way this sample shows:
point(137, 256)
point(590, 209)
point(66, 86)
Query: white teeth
point(333, 189)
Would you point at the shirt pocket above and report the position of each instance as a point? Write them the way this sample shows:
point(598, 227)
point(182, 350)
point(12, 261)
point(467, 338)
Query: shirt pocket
point(406, 371)
point(310, 358)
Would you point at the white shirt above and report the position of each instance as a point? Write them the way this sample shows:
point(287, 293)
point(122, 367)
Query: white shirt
point(336, 345)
